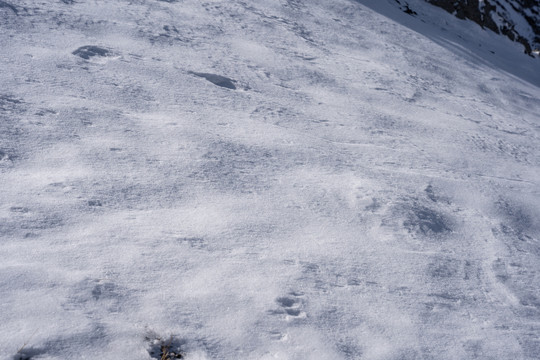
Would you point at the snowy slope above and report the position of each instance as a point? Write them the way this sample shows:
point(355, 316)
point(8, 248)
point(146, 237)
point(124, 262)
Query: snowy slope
point(463, 37)
point(519, 20)
point(265, 180)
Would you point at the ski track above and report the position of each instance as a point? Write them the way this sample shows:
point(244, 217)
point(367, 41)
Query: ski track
point(350, 189)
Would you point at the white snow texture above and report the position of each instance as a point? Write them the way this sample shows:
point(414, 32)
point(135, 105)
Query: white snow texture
point(265, 179)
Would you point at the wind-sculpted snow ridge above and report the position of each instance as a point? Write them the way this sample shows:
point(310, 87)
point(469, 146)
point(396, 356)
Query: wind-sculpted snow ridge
point(265, 180)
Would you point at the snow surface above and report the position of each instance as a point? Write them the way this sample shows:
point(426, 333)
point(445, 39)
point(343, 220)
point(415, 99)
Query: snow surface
point(368, 188)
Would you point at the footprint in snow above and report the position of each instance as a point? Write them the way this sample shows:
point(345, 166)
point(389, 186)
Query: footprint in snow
point(291, 306)
point(88, 51)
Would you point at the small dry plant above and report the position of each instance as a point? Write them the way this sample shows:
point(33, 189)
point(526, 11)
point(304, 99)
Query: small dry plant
point(167, 352)
point(164, 349)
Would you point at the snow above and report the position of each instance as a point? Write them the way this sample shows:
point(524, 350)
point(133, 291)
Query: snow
point(368, 191)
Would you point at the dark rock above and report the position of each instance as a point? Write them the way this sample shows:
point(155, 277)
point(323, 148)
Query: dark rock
point(409, 11)
point(406, 9)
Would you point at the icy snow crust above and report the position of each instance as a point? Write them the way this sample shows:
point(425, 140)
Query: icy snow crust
point(362, 192)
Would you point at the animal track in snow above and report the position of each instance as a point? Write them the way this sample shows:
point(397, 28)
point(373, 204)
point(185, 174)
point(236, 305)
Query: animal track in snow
point(95, 296)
